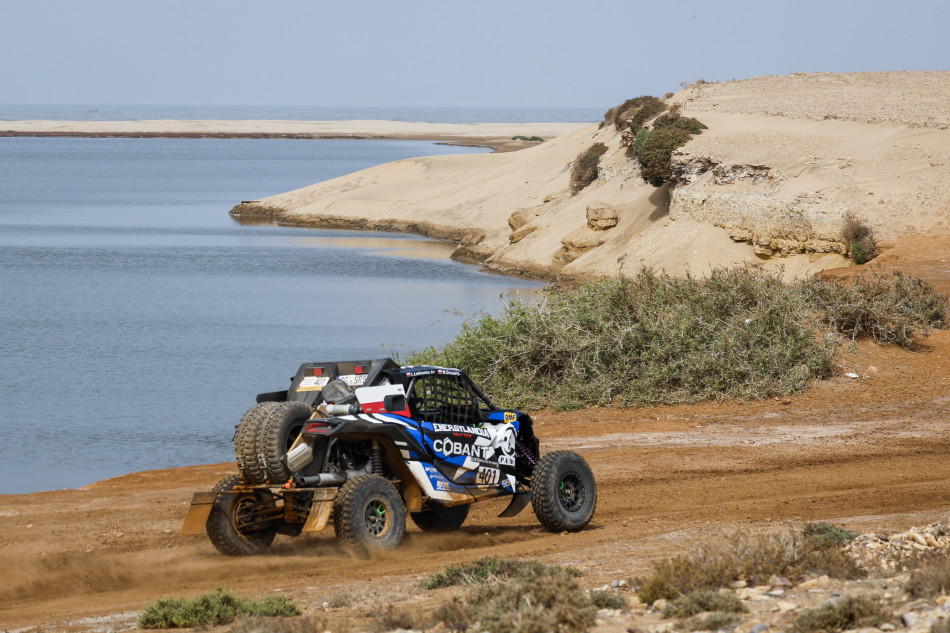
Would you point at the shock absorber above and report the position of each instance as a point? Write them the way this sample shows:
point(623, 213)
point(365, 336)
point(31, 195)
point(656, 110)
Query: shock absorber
point(523, 451)
point(376, 458)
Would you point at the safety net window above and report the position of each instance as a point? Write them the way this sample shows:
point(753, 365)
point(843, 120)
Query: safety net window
point(445, 399)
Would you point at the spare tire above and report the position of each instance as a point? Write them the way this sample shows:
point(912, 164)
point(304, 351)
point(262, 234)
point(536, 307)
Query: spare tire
point(278, 432)
point(246, 448)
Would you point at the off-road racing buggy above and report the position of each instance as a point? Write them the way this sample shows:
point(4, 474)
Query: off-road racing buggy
point(365, 442)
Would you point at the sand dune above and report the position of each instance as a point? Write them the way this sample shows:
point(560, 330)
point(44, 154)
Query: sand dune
point(784, 159)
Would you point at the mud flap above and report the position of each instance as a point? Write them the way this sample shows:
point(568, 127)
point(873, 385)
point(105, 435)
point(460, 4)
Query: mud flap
point(320, 510)
point(518, 502)
point(201, 504)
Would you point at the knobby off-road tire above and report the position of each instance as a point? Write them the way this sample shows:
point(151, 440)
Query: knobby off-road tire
point(563, 492)
point(440, 518)
point(246, 449)
point(369, 515)
point(277, 433)
point(227, 524)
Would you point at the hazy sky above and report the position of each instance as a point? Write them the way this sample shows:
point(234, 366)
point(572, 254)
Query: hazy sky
point(441, 53)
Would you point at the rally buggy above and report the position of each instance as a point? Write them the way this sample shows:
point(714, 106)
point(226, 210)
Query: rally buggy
point(365, 442)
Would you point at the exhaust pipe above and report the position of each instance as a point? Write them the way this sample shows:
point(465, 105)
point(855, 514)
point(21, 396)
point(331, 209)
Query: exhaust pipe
point(329, 479)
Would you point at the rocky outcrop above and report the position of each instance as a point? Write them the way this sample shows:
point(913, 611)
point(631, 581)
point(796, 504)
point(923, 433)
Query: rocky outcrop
point(744, 199)
point(600, 219)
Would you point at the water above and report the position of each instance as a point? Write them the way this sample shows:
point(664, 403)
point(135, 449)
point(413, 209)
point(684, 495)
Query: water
point(92, 112)
point(138, 320)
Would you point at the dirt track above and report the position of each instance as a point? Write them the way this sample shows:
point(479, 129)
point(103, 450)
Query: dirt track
point(868, 452)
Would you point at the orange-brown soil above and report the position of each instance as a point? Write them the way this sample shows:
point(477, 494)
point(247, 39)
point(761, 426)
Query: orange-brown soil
point(868, 452)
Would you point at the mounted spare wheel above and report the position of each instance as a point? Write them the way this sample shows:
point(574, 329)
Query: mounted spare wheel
point(278, 432)
point(246, 447)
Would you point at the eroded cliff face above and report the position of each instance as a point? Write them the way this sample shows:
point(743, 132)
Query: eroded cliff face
point(746, 201)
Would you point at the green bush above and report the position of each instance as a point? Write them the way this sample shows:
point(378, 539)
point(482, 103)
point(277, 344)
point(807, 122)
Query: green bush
point(675, 119)
point(657, 151)
point(217, 607)
point(828, 535)
point(847, 613)
point(526, 138)
point(585, 166)
point(649, 339)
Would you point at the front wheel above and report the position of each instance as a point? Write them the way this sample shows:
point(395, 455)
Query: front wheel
point(563, 492)
point(369, 515)
point(242, 523)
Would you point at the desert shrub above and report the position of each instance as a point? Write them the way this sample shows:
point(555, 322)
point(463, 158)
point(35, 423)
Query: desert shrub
point(697, 602)
point(217, 607)
point(552, 602)
point(608, 599)
point(750, 557)
point(668, 95)
point(633, 113)
point(303, 624)
point(516, 597)
point(716, 621)
point(491, 569)
point(642, 135)
point(655, 155)
point(891, 308)
point(392, 618)
point(847, 613)
point(455, 614)
point(828, 534)
point(526, 138)
point(585, 166)
point(859, 237)
point(931, 579)
point(652, 338)
point(677, 120)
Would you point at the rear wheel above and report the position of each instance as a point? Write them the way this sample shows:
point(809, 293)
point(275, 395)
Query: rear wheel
point(369, 515)
point(563, 492)
point(242, 523)
point(277, 434)
point(440, 518)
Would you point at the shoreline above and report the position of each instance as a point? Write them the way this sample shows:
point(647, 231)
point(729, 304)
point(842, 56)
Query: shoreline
point(498, 136)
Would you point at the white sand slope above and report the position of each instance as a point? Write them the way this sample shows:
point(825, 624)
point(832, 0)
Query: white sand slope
point(767, 184)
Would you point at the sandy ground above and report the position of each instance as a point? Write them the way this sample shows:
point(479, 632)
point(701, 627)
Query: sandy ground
point(867, 452)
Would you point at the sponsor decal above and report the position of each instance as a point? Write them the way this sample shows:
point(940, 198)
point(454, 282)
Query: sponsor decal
point(460, 428)
point(510, 416)
point(451, 448)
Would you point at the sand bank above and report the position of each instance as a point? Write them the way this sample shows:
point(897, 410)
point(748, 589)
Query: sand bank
point(768, 184)
point(497, 135)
